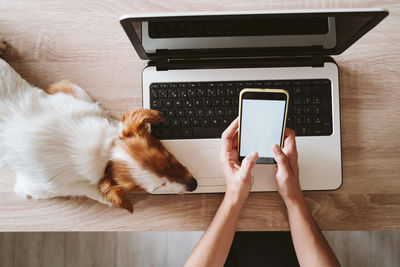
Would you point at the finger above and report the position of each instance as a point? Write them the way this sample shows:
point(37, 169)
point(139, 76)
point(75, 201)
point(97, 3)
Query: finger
point(289, 147)
point(235, 140)
point(248, 164)
point(227, 135)
point(290, 140)
point(280, 158)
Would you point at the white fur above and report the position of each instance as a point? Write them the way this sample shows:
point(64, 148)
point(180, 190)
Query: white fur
point(145, 178)
point(58, 144)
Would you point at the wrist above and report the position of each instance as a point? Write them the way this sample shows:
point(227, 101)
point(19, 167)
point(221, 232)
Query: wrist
point(234, 200)
point(295, 202)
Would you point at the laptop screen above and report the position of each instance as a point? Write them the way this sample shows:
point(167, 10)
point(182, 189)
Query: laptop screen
point(248, 34)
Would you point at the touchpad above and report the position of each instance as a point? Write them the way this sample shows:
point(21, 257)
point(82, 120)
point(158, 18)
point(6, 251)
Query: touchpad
point(205, 164)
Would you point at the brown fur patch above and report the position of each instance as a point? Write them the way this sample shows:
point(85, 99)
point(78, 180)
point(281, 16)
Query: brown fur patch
point(117, 183)
point(63, 86)
point(137, 121)
point(147, 150)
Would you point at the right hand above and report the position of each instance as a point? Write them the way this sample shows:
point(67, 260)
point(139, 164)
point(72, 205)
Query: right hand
point(287, 171)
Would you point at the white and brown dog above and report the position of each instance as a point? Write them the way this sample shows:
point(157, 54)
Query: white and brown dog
point(61, 143)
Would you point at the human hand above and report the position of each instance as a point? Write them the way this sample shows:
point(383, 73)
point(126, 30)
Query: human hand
point(238, 179)
point(287, 170)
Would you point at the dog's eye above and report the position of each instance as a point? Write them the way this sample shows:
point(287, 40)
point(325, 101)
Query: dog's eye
point(164, 183)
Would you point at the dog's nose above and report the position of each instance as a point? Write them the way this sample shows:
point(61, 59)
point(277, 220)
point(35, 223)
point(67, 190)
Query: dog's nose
point(191, 185)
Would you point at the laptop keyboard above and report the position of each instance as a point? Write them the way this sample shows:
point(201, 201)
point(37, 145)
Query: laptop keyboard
point(196, 110)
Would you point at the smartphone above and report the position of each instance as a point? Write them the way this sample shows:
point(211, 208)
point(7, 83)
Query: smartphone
point(262, 122)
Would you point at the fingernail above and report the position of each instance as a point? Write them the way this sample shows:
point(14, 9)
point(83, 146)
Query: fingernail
point(275, 148)
point(253, 154)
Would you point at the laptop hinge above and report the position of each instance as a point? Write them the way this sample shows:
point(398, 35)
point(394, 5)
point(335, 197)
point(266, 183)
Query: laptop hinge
point(317, 61)
point(162, 64)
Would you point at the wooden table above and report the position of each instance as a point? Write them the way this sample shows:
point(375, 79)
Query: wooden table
point(83, 41)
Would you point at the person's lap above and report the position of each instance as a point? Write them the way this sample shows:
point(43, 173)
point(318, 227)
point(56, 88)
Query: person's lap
point(262, 249)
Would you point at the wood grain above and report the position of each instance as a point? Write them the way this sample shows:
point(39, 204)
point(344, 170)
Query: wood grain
point(83, 41)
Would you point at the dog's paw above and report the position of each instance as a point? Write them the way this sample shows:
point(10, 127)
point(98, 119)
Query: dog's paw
point(3, 46)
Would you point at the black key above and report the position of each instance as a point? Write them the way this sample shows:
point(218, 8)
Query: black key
point(317, 129)
point(317, 100)
point(298, 100)
point(155, 86)
point(157, 103)
point(162, 93)
point(209, 112)
point(231, 92)
point(317, 119)
point(230, 112)
point(221, 92)
point(225, 122)
point(207, 102)
point(208, 132)
point(191, 92)
point(227, 101)
point(215, 122)
point(188, 103)
point(156, 132)
point(298, 110)
point(187, 132)
point(290, 120)
point(198, 102)
point(168, 103)
point(217, 102)
point(327, 128)
point(200, 112)
point(316, 110)
point(187, 122)
point(167, 123)
point(307, 110)
point(307, 119)
point(172, 93)
point(307, 100)
point(201, 92)
point(153, 93)
point(211, 92)
point(219, 112)
point(178, 103)
point(205, 121)
point(166, 132)
point(190, 112)
point(298, 120)
point(196, 122)
point(182, 93)
point(171, 113)
point(180, 113)
point(175, 123)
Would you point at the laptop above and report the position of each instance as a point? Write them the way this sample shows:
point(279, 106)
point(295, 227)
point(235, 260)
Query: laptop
point(199, 62)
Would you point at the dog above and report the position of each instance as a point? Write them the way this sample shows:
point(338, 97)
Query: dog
point(62, 143)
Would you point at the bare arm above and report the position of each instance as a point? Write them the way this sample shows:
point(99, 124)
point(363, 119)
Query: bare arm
point(214, 245)
point(310, 245)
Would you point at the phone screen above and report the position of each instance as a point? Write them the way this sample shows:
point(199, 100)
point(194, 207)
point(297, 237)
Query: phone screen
point(262, 122)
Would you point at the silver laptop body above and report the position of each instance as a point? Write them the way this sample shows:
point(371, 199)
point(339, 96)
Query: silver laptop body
point(274, 56)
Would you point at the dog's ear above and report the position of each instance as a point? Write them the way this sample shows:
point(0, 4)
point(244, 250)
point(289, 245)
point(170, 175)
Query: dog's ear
point(139, 120)
point(116, 184)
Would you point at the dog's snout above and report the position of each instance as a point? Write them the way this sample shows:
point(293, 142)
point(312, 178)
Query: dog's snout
point(191, 185)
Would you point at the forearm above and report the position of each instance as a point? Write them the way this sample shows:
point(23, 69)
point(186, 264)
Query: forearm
point(310, 245)
point(214, 245)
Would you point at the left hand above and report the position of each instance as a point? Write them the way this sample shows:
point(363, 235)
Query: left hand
point(238, 178)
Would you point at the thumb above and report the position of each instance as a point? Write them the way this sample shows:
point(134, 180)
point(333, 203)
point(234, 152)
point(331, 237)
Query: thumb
point(280, 158)
point(248, 164)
